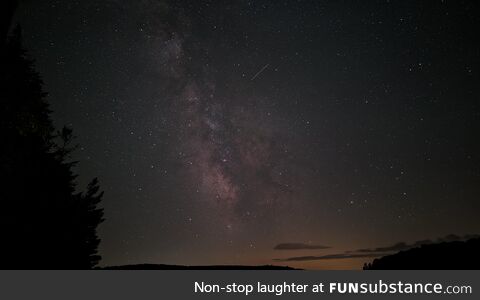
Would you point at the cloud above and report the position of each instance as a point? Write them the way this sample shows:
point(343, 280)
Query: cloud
point(299, 246)
point(330, 256)
point(396, 247)
point(367, 252)
point(404, 246)
point(471, 236)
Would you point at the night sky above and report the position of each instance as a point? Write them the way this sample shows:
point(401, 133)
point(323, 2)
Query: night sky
point(221, 130)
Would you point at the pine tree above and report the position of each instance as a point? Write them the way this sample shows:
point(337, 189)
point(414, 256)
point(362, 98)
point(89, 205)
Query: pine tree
point(44, 222)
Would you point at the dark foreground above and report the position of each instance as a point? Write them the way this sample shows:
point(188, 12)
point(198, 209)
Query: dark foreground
point(180, 267)
point(459, 255)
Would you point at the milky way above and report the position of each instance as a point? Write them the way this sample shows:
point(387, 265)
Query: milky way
point(227, 144)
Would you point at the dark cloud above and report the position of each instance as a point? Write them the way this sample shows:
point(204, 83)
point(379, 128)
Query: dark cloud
point(330, 256)
point(404, 246)
point(450, 238)
point(471, 236)
point(299, 246)
point(395, 247)
point(367, 252)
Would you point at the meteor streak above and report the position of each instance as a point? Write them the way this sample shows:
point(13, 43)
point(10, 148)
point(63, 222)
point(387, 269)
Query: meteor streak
point(259, 72)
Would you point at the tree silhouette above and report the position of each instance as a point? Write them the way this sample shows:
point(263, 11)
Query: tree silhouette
point(44, 222)
point(456, 255)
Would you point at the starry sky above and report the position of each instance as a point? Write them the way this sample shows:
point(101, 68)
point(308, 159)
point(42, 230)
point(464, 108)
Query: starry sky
point(267, 132)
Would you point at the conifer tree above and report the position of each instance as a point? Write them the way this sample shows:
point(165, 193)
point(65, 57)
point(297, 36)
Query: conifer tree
point(44, 222)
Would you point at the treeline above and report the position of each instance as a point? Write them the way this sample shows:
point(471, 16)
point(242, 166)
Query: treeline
point(44, 222)
point(457, 255)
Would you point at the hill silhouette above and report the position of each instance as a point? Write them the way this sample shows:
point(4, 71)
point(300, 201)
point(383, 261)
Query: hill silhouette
point(180, 267)
point(457, 255)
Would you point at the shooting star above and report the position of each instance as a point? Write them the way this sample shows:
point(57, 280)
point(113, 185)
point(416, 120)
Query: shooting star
point(260, 72)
